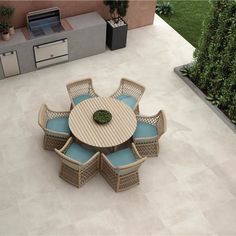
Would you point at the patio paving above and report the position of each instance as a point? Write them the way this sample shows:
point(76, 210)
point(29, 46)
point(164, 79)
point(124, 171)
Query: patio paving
point(190, 189)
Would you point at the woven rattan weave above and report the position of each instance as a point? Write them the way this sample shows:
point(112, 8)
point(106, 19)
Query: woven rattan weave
point(80, 87)
point(123, 177)
point(52, 139)
point(149, 146)
point(131, 88)
point(75, 172)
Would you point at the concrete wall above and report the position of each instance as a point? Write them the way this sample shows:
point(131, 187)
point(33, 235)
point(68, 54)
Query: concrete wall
point(140, 13)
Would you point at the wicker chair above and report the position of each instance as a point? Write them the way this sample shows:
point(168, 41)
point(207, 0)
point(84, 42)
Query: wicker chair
point(78, 163)
point(55, 127)
point(130, 93)
point(120, 169)
point(80, 90)
point(148, 132)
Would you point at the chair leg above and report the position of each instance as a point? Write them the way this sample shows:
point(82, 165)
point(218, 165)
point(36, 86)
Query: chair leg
point(109, 175)
point(136, 110)
point(69, 175)
point(71, 106)
point(91, 170)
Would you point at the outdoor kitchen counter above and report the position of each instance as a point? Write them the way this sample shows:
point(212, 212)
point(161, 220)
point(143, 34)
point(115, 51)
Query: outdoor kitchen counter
point(17, 38)
point(86, 38)
point(85, 20)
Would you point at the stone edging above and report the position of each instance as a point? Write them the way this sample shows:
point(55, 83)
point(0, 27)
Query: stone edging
point(214, 108)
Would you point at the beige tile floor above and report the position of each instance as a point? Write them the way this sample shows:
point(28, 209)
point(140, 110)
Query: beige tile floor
point(188, 190)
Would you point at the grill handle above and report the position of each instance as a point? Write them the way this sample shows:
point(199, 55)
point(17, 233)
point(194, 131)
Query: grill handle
point(53, 43)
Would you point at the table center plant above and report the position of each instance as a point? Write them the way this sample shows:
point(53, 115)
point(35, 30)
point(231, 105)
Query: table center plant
point(102, 116)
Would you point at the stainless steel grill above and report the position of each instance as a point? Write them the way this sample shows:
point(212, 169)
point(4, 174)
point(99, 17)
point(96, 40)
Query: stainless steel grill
point(43, 22)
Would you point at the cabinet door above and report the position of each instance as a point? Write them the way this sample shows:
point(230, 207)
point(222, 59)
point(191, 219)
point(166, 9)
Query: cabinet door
point(51, 50)
point(10, 63)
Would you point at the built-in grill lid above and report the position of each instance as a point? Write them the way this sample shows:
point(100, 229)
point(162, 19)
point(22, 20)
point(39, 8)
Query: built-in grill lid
point(44, 21)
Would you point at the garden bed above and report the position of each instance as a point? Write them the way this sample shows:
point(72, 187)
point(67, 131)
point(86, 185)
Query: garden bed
point(214, 108)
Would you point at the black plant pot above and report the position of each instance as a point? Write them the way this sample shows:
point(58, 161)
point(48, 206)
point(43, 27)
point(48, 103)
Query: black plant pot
point(116, 36)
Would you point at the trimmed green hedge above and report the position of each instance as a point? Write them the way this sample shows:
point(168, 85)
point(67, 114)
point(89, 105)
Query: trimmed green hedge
point(214, 68)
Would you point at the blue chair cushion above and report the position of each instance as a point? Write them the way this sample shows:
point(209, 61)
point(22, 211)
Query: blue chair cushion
point(59, 124)
point(81, 98)
point(79, 153)
point(145, 130)
point(122, 157)
point(128, 100)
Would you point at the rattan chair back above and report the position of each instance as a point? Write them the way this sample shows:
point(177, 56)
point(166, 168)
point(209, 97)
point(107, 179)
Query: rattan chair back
point(52, 139)
point(131, 88)
point(149, 146)
point(80, 87)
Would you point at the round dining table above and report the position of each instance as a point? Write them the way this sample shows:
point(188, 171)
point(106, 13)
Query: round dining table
point(120, 129)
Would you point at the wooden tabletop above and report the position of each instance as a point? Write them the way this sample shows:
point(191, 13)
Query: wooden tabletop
point(117, 131)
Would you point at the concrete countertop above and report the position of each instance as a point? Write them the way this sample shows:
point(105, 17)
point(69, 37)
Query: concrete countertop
point(16, 38)
point(85, 20)
point(76, 23)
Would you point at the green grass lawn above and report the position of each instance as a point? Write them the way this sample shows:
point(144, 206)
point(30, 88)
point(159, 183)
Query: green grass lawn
point(188, 18)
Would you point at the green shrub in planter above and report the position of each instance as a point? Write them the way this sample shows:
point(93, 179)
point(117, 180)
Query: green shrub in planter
point(214, 69)
point(187, 71)
point(116, 27)
point(165, 9)
point(6, 13)
point(117, 8)
point(4, 27)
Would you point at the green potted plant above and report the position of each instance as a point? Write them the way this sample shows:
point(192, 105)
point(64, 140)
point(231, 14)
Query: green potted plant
point(4, 29)
point(102, 116)
point(165, 8)
point(6, 13)
point(116, 27)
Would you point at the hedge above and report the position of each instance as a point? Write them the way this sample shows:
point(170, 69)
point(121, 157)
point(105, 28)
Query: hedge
point(214, 67)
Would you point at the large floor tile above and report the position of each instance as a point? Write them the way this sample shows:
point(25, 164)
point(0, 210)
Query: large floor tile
point(7, 196)
point(12, 223)
point(43, 210)
point(193, 226)
point(226, 172)
point(172, 203)
point(222, 218)
point(208, 190)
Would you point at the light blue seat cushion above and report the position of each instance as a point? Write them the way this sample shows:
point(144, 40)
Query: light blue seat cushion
point(128, 100)
point(145, 130)
point(122, 157)
point(81, 98)
point(59, 124)
point(79, 153)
